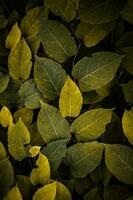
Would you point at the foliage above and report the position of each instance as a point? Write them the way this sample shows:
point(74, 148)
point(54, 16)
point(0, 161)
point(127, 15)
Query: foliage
point(66, 100)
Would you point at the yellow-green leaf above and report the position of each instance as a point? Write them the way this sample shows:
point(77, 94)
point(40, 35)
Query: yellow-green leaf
point(19, 61)
point(4, 80)
point(62, 192)
point(47, 192)
point(13, 37)
point(70, 101)
point(41, 174)
point(25, 114)
point(127, 123)
point(18, 137)
point(34, 150)
point(13, 194)
point(5, 117)
point(2, 151)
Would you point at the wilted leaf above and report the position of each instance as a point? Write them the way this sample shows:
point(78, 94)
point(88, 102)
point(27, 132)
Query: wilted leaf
point(119, 161)
point(51, 125)
point(41, 174)
point(57, 40)
point(49, 77)
point(84, 158)
point(13, 37)
point(127, 123)
point(96, 71)
point(91, 124)
point(18, 137)
point(19, 61)
point(70, 101)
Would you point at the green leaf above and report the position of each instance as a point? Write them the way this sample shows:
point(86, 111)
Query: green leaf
point(30, 24)
point(126, 40)
point(94, 193)
point(70, 101)
point(25, 114)
point(119, 160)
point(41, 174)
point(91, 124)
point(127, 123)
point(93, 34)
point(64, 8)
point(99, 11)
point(47, 192)
point(51, 125)
point(2, 151)
point(10, 96)
point(127, 13)
point(49, 77)
point(30, 94)
point(24, 185)
point(13, 193)
point(128, 91)
point(13, 37)
point(6, 176)
point(91, 97)
point(18, 137)
point(57, 40)
point(19, 61)
point(55, 152)
point(84, 158)
point(96, 71)
point(115, 192)
point(82, 185)
point(4, 81)
point(5, 117)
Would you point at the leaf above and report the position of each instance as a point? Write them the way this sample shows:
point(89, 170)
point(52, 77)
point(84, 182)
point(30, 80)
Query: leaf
point(55, 152)
point(115, 192)
point(34, 151)
point(13, 193)
point(25, 114)
point(13, 37)
point(24, 185)
point(82, 185)
point(96, 71)
point(91, 124)
point(126, 40)
point(5, 117)
point(6, 176)
point(127, 13)
point(30, 24)
point(127, 123)
point(62, 192)
point(35, 137)
point(93, 34)
point(65, 8)
point(51, 125)
point(99, 11)
point(83, 158)
point(41, 174)
point(30, 94)
point(119, 161)
point(91, 97)
point(33, 42)
point(4, 81)
point(57, 40)
point(94, 193)
point(128, 91)
point(19, 61)
point(2, 151)
point(70, 101)
point(47, 192)
point(49, 77)
point(18, 137)
point(10, 96)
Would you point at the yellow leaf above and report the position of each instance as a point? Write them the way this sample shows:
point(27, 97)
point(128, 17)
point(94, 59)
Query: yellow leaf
point(5, 117)
point(13, 37)
point(34, 151)
point(13, 194)
point(40, 175)
point(47, 192)
point(71, 99)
